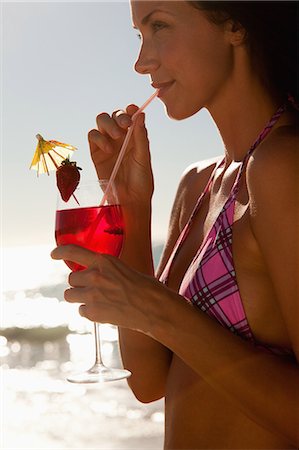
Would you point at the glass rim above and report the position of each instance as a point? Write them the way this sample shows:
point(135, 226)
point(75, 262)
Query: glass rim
point(99, 181)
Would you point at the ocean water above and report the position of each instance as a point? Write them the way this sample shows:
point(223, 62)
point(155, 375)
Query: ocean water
point(42, 339)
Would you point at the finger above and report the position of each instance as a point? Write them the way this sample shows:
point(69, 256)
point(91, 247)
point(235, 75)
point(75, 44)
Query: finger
point(122, 119)
point(75, 279)
point(141, 137)
point(83, 311)
point(99, 311)
point(72, 295)
point(77, 254)
point(89, 299)
point(131, 109)
point(93, 314)
point(80, 295)
point(99, 141)
point(88, 277)
point(107, 125)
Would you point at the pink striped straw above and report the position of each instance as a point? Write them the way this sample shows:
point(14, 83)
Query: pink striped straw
point(125, 144)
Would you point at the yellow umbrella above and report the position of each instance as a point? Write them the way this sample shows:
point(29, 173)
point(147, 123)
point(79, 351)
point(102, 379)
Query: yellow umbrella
point(49, 155)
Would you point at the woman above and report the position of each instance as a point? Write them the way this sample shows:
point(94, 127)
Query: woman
point(216, 332)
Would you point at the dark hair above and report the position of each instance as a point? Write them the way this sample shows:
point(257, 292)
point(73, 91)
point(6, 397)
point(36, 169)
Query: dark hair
point(272, 33)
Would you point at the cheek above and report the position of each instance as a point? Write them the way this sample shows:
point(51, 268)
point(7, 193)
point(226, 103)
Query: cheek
point(197, 87)
point(200, 71)
point(207, 70)
point(211, 58)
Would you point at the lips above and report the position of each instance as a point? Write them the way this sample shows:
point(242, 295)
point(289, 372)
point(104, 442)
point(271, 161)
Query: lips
point(162, 87)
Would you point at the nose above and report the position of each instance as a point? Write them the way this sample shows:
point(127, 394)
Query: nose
point(147, 61)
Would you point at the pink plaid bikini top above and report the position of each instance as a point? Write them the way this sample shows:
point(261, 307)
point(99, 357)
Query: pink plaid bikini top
point(210, 281)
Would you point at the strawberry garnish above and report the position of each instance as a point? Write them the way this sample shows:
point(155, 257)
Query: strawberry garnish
point(67, 178)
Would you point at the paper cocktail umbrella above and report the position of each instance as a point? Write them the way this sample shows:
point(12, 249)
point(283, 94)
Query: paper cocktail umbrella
point(49, 155)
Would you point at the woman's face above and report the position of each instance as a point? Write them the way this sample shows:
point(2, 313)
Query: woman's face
point(187, 57)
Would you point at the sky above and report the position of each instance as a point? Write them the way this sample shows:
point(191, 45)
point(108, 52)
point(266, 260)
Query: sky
point(62, 63)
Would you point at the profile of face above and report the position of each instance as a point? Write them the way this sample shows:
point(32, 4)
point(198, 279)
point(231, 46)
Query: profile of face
point(187, 57)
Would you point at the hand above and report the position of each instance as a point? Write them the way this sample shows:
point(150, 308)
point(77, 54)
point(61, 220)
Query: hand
point(109, 291)
point(134, 180)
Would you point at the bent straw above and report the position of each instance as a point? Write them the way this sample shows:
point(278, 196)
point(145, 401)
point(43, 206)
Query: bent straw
point(124, 146)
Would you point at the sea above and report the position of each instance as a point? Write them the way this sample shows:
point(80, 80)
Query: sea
point(42, 340)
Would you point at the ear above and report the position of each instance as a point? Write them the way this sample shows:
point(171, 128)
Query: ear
point(237, 33)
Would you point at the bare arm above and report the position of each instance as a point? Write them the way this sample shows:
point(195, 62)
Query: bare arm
point(147, 359)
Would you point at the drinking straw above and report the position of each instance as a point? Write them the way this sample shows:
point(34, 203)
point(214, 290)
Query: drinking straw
point(124, 146)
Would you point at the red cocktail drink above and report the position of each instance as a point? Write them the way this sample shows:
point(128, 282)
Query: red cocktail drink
point(98, 228)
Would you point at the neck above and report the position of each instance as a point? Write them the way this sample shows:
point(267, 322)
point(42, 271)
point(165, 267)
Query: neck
point(241, 111)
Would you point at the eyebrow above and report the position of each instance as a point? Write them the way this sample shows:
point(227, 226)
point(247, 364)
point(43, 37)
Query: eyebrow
point(146, 19)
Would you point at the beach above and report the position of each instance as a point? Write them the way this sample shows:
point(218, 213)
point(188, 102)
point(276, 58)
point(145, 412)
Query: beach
point(42, 339)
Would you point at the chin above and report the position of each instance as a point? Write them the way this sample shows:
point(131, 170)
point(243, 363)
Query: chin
point(179, 113)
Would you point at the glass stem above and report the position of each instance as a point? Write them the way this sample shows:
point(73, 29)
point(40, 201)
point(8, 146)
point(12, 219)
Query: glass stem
point(97, 344)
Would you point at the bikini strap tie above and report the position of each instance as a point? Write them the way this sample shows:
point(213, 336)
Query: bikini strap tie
point(293, 102)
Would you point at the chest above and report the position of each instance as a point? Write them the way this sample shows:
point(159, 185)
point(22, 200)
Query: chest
point(204, 214)
point(253, 283)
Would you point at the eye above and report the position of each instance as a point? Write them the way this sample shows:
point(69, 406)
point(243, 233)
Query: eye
point(157, 25)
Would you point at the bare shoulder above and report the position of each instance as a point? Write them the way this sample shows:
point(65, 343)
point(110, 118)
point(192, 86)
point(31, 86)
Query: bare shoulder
point(273, 186)
point(193, 181)
point(274, 167)
point(281, 145)
point(272, 181)
point(200, 170)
